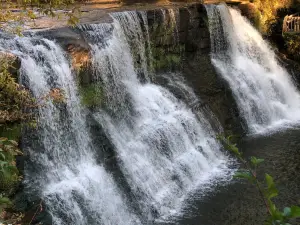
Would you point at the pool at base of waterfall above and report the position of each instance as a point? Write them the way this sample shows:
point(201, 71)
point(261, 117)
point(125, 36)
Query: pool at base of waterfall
point(238, 203)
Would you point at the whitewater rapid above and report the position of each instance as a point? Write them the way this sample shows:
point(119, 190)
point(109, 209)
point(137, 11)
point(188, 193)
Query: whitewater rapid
point(265, 94)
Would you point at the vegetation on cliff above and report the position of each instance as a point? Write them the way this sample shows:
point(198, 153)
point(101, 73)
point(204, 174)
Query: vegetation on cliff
point(17, 105)
point(17, 108)
point(268, 17)
point(268, 11)
point(12, 99)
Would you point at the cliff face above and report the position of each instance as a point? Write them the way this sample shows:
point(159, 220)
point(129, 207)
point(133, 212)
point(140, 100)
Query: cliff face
point(190, 55)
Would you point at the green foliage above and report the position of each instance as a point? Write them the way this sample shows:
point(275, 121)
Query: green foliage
point(165, 49)
point(13, 97)
point(244, 175)
point(9, 174)
point(257, 20)
point(91, 94)
point(15, 101)
point(4, 203)
point(255, 161)
point(166, 58)
point(267, 188)
point(8, 151)
point(268, 11)
point(292, 44)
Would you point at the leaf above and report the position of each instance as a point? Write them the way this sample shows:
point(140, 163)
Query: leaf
point(255, 161)
point(3, 163)
point(272, 207)
point(3, 139)
point(234, 149)
point(9, 147)
point(276, 215)
point(271, 190)
point(2, 156)
point(287, 212)
point(13, 169)
point(5, 200)
point(31, 14)
point(14, 143)
point(7, 173)
point(244, 175)
point(295, 212)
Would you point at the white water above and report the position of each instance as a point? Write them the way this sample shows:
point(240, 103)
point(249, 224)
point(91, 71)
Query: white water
point(265, 94)
point(163, 149)
point(74, 187)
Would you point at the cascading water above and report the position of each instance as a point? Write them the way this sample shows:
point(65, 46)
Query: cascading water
point(75, 189)
point(265, 94)
point(162, 147)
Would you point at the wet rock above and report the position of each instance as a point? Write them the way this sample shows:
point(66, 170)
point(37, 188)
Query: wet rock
point(65, 36)
point(78, 49)
point(80, 56)
point(200, 74)
point(291, 66)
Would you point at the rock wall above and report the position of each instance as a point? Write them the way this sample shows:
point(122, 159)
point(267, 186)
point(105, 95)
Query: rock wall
point(190, 55)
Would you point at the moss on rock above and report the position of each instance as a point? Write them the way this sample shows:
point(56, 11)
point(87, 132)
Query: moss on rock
point(91, 94)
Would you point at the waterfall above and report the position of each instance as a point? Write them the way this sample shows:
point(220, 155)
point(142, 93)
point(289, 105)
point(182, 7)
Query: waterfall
point(163, 148)
point(63, 170)
point(266, 96)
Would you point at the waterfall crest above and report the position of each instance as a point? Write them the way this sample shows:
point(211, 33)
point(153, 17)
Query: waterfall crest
point(266, 96)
